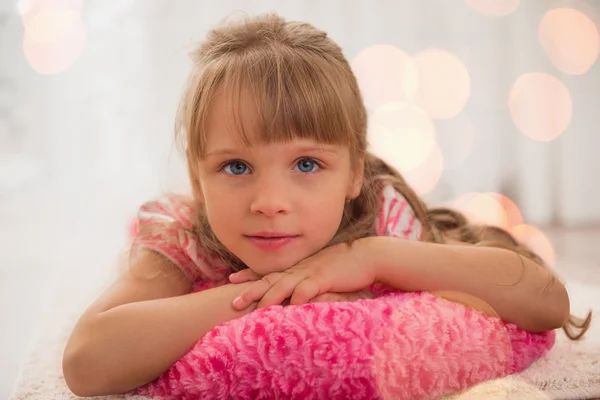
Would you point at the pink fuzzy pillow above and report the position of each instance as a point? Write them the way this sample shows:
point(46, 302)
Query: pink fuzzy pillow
point(400, 346)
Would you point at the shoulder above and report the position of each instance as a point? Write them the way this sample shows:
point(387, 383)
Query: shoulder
point(166, 210)
point(396, 217)
point(167, 225)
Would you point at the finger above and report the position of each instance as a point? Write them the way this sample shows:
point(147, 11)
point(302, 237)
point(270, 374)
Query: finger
point(256, 291)
point(305, 291)
point(244, 275)
point(280, 291)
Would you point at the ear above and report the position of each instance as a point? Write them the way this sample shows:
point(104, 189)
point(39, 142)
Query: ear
point(357, 180)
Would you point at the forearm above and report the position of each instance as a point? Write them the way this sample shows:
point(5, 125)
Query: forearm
point(132, 344)
point(518, 289)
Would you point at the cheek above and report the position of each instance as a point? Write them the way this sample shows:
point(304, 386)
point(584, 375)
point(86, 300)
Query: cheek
point(223, 212)
point(324, 217)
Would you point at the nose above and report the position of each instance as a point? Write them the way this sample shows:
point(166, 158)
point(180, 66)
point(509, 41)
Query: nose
point(271, 197)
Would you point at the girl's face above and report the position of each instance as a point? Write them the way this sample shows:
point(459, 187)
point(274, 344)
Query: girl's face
point(272, 205)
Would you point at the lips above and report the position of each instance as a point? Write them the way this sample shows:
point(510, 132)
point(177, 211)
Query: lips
point(271, 241)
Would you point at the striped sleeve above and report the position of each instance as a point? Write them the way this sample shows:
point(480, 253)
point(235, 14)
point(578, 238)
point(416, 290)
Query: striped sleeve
point(165, 226)
point(396, 217)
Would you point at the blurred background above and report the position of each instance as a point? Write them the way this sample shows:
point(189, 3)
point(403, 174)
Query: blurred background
point(490, 106)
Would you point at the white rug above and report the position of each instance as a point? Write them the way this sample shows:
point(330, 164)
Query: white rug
point(570, 371)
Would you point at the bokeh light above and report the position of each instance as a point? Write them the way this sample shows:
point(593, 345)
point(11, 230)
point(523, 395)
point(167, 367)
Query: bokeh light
point(540, 106)
point(494, 8)
point(54, 34)
point(402, 135)
point(443, 83)
point(426, 176)
point(51, 25)
point(489, 209)
point(29, 7)
point(513, 214)
point(536, 241)
point(571, 40)
point(455, 137)
point(461, 203)
point(482, 208)
point(385, 74)
point(60, 48)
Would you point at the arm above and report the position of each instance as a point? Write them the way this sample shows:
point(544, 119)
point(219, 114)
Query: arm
point(518, 289)
point(140, 327)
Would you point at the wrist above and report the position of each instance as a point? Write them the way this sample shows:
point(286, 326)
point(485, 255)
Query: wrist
point(236, 289)
point(376, 257)
point(387, 265)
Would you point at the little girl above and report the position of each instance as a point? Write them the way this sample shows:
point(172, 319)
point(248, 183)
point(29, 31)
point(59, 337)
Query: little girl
point(287, 206)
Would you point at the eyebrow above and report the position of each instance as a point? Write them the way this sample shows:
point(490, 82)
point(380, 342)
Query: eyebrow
point(222, 152)
point(300, 149)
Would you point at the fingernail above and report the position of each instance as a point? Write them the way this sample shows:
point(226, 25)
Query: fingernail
point(238, 302)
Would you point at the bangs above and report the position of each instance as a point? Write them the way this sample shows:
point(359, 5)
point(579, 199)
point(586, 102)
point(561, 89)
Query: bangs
point(294, 94)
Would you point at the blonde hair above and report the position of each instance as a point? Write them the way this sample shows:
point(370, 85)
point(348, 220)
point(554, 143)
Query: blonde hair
point(304, 87)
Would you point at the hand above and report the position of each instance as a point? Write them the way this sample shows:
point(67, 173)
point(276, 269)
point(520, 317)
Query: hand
point(340, 268)
point(328, 297)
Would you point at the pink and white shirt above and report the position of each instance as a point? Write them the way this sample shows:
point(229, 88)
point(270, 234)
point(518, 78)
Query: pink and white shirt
point(165, 226)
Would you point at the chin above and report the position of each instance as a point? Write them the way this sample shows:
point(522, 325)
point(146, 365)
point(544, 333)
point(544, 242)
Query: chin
point(266, 265)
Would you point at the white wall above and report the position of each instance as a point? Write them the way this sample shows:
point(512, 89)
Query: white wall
point(111, 114)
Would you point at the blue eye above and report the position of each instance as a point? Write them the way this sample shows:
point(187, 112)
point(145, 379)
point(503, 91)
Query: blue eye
point(307, 165)
point(235, 168)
